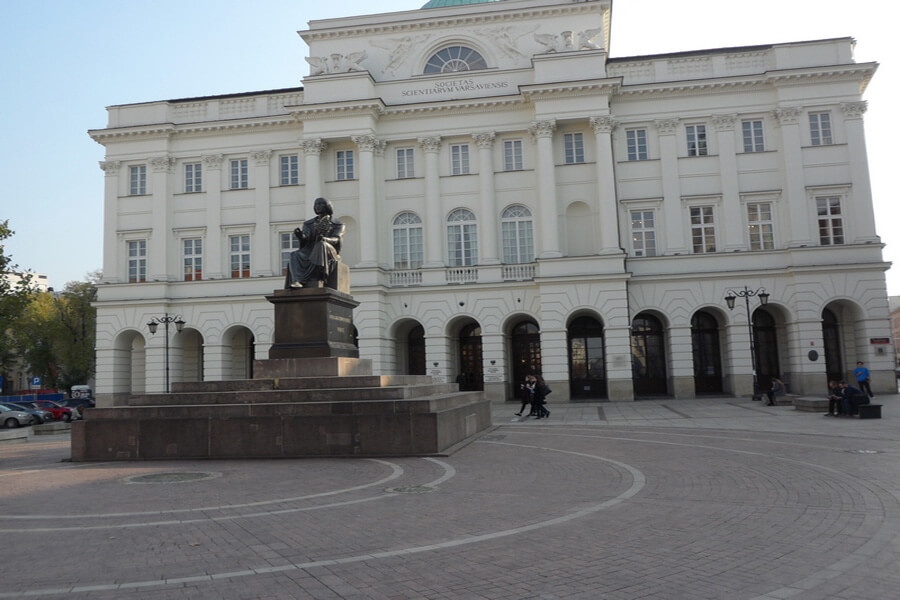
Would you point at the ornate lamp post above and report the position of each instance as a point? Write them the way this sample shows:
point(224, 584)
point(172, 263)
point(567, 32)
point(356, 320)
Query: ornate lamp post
point(153, 324)
point(746, 294)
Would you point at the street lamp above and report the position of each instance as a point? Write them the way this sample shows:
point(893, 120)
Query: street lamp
point(746, 294)
point(153, 325)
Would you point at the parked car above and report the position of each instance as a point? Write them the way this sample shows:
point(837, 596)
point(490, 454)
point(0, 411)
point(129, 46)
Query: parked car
point(40, 415)
point(14, 418)
point(78, 404)
point(63, 413)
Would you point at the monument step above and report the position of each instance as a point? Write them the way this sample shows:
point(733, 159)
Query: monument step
point(297, 395)
point(299, 383)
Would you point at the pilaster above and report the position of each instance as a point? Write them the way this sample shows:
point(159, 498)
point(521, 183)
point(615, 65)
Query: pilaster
point(213, 267)
point(431, 146)
point(548, 227)
point(606, 210)
point(795, 190)
point(731, 198)
point(488, 217)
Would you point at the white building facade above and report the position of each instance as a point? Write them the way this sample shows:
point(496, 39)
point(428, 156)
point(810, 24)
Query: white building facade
point(516, 200)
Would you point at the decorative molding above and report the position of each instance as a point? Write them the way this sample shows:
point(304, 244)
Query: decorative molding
point(542, 129)
point(111, 167)
point(314, 147)
point(724, 122)
point(854, 110)
point(485, 139)
point(789, 115)
point(430, 144)
point(261, 157)
point(367, 109)
point(336, 63)
point(162, 164)
point(380, 147)
point(366, 143)
point(506, 37)
point(604, 124)
point(399, 49)
point(666, 126)
point(213, 161)
point(568, 41)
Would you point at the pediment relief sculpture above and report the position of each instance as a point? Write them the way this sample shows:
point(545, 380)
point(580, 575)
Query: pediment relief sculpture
point(588, 39)
point(399, 49)
point(336, 63)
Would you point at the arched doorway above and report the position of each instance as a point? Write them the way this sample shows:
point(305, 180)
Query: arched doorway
point(587, 361)
point(648, 355)
point(471, 370)
point(526, 350)
point(765, 342)
point(415, 351)
point(238, 353)
point(192, 342)
point(707, 353)
point(831, 335)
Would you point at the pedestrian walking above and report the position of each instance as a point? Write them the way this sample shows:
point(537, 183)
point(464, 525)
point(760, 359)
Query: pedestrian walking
point(862, 378)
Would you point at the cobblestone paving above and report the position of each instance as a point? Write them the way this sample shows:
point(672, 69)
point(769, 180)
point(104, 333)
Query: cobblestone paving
point(700, 499)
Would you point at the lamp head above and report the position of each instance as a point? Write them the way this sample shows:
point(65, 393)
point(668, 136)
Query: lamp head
point(152, 326)
point(729, 300)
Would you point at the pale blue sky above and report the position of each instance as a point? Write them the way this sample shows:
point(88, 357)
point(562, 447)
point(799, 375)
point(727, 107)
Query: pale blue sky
point(64, 61)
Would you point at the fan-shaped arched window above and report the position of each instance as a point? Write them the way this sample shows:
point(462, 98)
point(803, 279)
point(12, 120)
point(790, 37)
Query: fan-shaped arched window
point(408, 246)
point(462, 239)
point(518, 235)
point(453, 59)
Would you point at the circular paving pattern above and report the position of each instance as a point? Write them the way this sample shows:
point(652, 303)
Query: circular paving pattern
point(524, 512)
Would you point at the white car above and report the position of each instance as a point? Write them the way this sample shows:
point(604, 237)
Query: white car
point(14, 418)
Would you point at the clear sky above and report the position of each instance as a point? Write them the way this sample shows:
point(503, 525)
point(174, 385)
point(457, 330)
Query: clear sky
point(64, 61)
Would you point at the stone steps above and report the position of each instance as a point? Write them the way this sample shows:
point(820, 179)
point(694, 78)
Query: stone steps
point(301, 383)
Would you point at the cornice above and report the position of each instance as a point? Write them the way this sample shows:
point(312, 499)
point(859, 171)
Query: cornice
point(457, 106)
point(428, 22)
point(143, 131)
point(569, 89)
point(102, 136)
point(373, 108)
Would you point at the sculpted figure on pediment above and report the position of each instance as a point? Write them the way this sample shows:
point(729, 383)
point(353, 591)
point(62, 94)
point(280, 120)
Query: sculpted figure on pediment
point(588, 39)
point(506, 38)
point(399, 49)
point(336, 63)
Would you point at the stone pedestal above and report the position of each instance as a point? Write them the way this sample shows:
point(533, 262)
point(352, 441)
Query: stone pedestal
point(313, 323)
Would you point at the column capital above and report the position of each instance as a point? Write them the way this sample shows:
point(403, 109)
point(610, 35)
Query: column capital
point(111, 167)
point(162, 164)
point(604, 124)
point(261, 157)
point(666, 126)
point(213, 161)
point(724, 122)
point(542, 129)
point(430, 144)
point(366, 143)
point(380, 147)
point(788, 115)
point(313, 147)
point(854, 110)
point(484, 139)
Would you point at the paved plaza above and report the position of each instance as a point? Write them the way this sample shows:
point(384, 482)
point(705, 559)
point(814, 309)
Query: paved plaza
point(720, 498)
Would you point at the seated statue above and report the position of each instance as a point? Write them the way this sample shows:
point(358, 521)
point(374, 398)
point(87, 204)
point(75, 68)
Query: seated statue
point(320, 249)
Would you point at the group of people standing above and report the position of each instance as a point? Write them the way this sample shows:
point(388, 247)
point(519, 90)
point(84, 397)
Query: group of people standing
point(844, 398)
point(534, 394)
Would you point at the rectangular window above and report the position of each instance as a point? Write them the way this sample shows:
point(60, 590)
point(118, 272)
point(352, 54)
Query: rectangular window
point(137, 261)
point(240, 178)
point(760, 226)
point(703, 231)
point(290, 170)
point(820, 128)
point(637, 144)
point(289, 243)
point(193, 178)
point(574, 143)
point(753, 136)
point(459, 159)
point(239, 253)
point(345, 165)
point(696, 140)
point(643, 233)
point(405, 166)
point(512, 155)
point(831, 222)
point(193, 259)
point(137, 180)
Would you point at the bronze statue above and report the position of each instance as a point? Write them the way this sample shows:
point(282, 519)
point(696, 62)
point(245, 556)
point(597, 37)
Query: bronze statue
point(320, 249)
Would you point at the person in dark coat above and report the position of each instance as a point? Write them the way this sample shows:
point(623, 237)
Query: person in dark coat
point(320, 249)
point(528, 389)
point(540, 398)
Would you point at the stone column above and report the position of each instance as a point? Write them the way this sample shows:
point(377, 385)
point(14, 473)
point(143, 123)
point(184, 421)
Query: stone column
point(619, 373)
point(792, 164)
point(861, 193)
point(682, 366)
point(112, 269)
point(213, 244)
point(668, 154)
point(433, 215)
point(367, 220)
point(312, 152)
point(262, 256)
point(159, 244)
point(438, 357)
point(490, 236)
point(607, 210)
point(548, 223)
point(733, 231)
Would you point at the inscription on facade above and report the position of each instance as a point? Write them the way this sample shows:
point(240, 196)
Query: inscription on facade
point(456, 86)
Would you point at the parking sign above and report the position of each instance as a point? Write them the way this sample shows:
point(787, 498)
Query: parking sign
point(36, 382)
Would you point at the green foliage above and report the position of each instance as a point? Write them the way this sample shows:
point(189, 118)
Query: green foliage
point(14, 297)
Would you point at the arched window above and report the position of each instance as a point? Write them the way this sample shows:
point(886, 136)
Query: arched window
point(518, 235)
point(462, 239)
point(453, 59)
point(408, 247)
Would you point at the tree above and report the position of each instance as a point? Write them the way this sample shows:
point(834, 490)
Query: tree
point(55, 334)
point(15, 294)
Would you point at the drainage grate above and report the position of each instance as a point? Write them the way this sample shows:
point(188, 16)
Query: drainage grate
point(173, 477)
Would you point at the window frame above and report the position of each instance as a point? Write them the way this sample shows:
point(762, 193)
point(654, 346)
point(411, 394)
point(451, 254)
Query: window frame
point(829, 235)
point(703, 231)
point(285, 249)
point(289, 170)
point(345, 165)
point(243, 255)
point(407, 241)
point(753, 134)
point(513, 155)
point(137, 261)
point(821, 132)
point(193, 177)
point(192, 262)
point(137, 180)
point(462, 251)
point(697, 140)
point(636, 147)
point(573, 146)
point(517, 235)
point(406, 166)
point(239, 174)
point(764, 236)
point(644, 251)
point(459, 159)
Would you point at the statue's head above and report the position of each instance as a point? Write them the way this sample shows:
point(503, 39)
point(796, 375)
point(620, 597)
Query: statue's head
point(323, 207)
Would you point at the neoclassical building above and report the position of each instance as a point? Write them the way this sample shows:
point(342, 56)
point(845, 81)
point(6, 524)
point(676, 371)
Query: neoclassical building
point(516, 200)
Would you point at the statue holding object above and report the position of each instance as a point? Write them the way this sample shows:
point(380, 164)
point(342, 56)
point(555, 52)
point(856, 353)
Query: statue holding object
point(319, 254)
